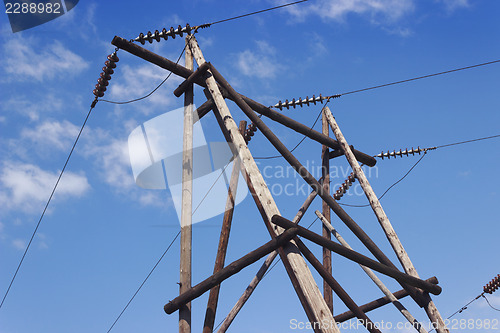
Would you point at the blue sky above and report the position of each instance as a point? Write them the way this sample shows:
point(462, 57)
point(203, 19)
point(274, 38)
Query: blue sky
point(102, 233)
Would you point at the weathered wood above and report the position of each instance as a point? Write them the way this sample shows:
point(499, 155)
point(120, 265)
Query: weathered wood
point(374, 278)
point(191, 79)
point(341, 293)
point(264, 110)
point(262, 271)
point(187, 204)
point(203, 109)
point(297, 269)
point(377, 303)
point(389, 231)
point(325, 175)
point(229, 271)
point(213, 297)
point(358, 257)
point(304, 173)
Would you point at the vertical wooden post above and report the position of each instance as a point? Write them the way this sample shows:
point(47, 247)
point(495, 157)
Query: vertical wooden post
point(187, 204)
point(389, 231)
point(262, 271)
point(302, 279)
point(375, 279)
point(325, 174)
point(213, 298)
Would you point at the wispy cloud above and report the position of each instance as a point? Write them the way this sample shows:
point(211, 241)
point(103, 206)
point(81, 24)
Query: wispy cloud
point(32, 107)
point(53, 134)
point(376, 10)
point(28, 60)
point(261, 63)
point(19, 244)
point(452, 5)
point(26, 187)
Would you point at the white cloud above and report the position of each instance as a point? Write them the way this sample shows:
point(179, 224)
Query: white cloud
point(19, 244)
point(59, 135)
point(111, 158)
point(25, 59)
point(261, 63)
point(377, 10)
point(26, 186)
point(21, 104)
point(452, 5)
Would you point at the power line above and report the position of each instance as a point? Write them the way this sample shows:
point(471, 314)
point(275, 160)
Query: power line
point(468, 141)
point(420, 77)
point(143, 282)
point(397, 182)
point(47, 205)
point(257, 12)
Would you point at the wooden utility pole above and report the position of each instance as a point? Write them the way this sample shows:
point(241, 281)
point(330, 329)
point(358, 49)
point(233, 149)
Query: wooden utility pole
point(213, 298)
point(430, 308)
point(302, 279)
point(325, 174)
point(187, 200)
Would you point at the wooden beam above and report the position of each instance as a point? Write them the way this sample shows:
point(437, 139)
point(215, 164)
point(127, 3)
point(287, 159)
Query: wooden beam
point(300, 275)
point(228, 271)
point(389, 231)
point(325, 173)
point(374, 278)
point(358, 257)
point(306, 175)
point(181, 71)
point(377, 303)
point(187, 204)
point(213, 297)
point(262, 271)
point(341, 293)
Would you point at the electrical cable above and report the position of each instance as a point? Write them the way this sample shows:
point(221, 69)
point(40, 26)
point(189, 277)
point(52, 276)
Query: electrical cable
point(257, 12)
point(380, 198)
point(468, 141)
point(421, 77)
point(487, 301)
point(143, 282)
point(47, 204)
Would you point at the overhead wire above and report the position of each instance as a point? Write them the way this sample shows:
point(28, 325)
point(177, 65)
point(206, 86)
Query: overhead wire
point(420, 77)
point(47, 205)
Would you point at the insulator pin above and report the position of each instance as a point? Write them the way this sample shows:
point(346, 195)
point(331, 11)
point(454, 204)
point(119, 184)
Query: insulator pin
point(300, 102)
point(344, 187)
point(250, 131)
point(493, 285)
point(157, 35)
point(402, 153)
point(105, 75)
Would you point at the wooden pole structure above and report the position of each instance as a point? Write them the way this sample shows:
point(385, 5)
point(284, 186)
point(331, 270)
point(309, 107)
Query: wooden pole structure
point(213, 297)
point(187, 204)
point(374, 278)
point(181, 71)
point(389, 231)
point(304, 173)
point(341, 293)
point(379, 302)
point(262, 271)
point(297, 269)
point(325, 173)
point(229, 271)
point(358, 257)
